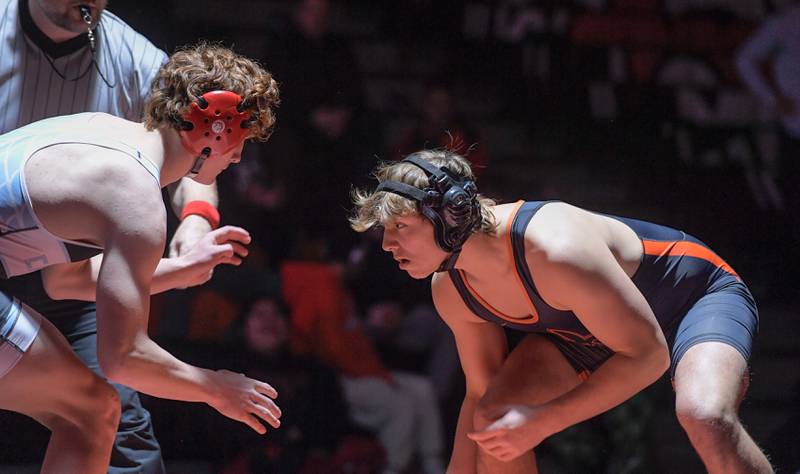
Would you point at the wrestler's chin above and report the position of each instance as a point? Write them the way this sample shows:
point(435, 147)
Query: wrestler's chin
point(204, 179)
point(418, 274)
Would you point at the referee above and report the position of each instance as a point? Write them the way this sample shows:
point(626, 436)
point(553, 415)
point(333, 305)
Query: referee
point(51, 65)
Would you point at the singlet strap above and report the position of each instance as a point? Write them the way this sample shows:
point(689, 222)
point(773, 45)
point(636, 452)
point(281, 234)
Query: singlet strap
point(131, 151)
point(472, 302)
point(143, 160)
point(516, 234)
point(517, 223)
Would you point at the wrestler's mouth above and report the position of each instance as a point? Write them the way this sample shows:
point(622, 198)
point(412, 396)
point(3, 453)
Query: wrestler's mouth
point(403, 262)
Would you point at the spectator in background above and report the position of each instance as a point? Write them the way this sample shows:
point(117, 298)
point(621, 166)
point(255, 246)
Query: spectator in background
point(316, 415)
point(439, 127)
point(323, 111)
point(400, 407)
point(365, 260)
point(399, 318)
point(50, 66)
point(769, 64)
point(415, 340)
point(325, 93)
point(776, 43)
point(259, 195)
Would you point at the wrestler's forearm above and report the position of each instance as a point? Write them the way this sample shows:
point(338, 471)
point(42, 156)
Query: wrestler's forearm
point(78, 281)
point(187, 190)
point(149, 369)
point(463, 460)
point(170, 274)
point(617, 380)
point(125, 352)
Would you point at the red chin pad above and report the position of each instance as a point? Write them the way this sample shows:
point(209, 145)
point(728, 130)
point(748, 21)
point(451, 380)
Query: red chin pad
point(219, 125)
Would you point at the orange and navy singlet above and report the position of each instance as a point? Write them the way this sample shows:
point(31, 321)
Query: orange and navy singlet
point(695, 295)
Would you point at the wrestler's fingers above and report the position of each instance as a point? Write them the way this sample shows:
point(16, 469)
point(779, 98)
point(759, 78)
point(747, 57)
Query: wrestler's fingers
point(266, 389)
point(491, 445)
point(505, 456)
point(232, 260)
point(497, 454)
point(224, 252)
point(238, 248)
point(266, 415)
point(266, 403)
point(484, 435)
point(229, 232)
point(253, 423)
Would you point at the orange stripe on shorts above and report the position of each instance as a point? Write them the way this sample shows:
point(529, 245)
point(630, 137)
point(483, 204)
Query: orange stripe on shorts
point(685, 248)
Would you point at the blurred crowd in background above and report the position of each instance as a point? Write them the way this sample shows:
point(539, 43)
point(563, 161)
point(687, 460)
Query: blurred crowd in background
point(682, 112)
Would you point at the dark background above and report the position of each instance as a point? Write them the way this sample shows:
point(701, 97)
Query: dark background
point(575, 101)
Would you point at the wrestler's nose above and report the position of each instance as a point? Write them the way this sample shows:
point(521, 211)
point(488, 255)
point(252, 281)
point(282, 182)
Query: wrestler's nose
point(389, 243)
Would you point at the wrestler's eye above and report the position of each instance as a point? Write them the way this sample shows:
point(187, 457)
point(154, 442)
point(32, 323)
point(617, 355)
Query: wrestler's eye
point(399, 225)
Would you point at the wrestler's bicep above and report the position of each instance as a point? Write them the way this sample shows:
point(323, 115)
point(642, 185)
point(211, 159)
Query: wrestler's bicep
point(589, 282)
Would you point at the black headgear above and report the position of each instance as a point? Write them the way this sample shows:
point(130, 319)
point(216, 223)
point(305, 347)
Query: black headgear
point(449, 201)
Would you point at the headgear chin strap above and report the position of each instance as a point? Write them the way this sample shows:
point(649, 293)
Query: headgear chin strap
point(449, 201)
point(216, 124)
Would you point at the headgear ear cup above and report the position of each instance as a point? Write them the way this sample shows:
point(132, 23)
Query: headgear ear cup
point(460, 210)
point(216, 124)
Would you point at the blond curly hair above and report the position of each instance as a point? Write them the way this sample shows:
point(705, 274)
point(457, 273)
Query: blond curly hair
point(204, 67)
point(376, 208)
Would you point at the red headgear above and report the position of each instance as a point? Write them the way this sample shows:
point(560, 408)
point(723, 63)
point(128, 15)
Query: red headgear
point(216, 124)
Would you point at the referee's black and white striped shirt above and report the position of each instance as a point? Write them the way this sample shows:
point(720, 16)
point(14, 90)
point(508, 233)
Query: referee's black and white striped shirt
point(40, 78)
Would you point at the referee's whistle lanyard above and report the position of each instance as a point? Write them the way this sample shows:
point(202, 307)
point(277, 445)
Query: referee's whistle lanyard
point(86, 16)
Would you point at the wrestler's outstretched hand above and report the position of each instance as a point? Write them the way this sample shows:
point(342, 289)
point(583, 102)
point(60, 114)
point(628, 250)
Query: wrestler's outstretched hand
point(244, 399)
point(516, 430)
point(225, 245)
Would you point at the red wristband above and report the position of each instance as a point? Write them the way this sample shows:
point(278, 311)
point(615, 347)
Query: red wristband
point(202, 209)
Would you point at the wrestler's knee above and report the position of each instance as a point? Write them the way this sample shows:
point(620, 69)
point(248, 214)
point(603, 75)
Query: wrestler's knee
point(88, 416)
point(109, 409)
point(96, 407)
point(706, 416)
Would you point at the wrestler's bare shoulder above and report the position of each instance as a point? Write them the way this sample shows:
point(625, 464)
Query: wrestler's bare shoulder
point(79, 189)
point(554, 224)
